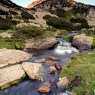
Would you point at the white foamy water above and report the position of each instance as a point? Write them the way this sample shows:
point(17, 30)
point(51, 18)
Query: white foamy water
point(65, 48)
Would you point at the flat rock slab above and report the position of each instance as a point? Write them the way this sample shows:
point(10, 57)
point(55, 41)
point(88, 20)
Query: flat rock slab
point(11, 56)
point(35, 71)
point(10, 75)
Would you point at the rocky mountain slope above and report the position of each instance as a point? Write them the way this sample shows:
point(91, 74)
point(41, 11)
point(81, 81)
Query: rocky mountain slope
point(86, 11)
point(49, 4)
point(11, 13)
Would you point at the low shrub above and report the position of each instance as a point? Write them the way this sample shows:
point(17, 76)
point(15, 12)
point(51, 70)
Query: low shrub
point(27, 16)
point(82, 21)
point(28, 32)
point(46, 17)
point(60, 12)
point(59, 23)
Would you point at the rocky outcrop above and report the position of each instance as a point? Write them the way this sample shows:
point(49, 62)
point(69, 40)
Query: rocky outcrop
point(11, 75)
point(40, 45)
point(82, 42)
point(11, 56)
point(33, 70)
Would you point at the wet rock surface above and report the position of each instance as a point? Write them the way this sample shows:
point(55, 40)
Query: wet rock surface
point(45, 88)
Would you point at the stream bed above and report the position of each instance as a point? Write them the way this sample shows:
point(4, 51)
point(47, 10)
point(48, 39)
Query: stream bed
point(29, 87)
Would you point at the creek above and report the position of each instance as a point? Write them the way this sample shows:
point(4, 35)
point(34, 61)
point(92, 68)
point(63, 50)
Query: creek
point(63, 53)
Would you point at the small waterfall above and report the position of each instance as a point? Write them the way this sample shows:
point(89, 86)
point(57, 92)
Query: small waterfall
point(64, 48)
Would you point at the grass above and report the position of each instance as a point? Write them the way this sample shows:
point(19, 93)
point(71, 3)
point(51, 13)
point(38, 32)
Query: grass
point(84, 66)
point(11, 43)
point(19, 35)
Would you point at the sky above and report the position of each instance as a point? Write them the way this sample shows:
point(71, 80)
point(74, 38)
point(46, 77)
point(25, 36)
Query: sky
point(24, 3)
point(92, 2)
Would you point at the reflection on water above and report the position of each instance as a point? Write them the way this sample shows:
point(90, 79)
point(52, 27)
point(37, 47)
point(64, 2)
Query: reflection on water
point(29, 87)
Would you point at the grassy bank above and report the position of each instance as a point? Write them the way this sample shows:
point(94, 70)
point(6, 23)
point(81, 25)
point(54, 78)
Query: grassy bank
point(18, 36)
point(82, 65)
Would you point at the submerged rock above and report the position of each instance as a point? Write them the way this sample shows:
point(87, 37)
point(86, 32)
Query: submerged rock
point(45, 88)
point(35, 71)
point(52, 70)
point(52, 58)
point(11, 75)
point(11, 56)
point(82, 42)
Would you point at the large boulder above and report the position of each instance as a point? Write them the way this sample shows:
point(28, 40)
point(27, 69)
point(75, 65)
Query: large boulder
point(11, 75)
point(82, 42)
point(42, 44)
point(35, 71)
point(11, 56)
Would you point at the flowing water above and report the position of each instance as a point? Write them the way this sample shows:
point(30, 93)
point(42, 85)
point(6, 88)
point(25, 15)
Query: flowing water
point(28, 87)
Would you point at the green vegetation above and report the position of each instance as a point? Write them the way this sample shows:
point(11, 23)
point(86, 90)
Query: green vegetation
point(60, 12)
point(67, 22)
point(19, 35)
point(82, 65)
point(67, 38)
point(11, 43)
point(82, 21)
point(68, 15)
point(29, 32)
point(26, 16)
point(59, 23)
point(46, 17)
